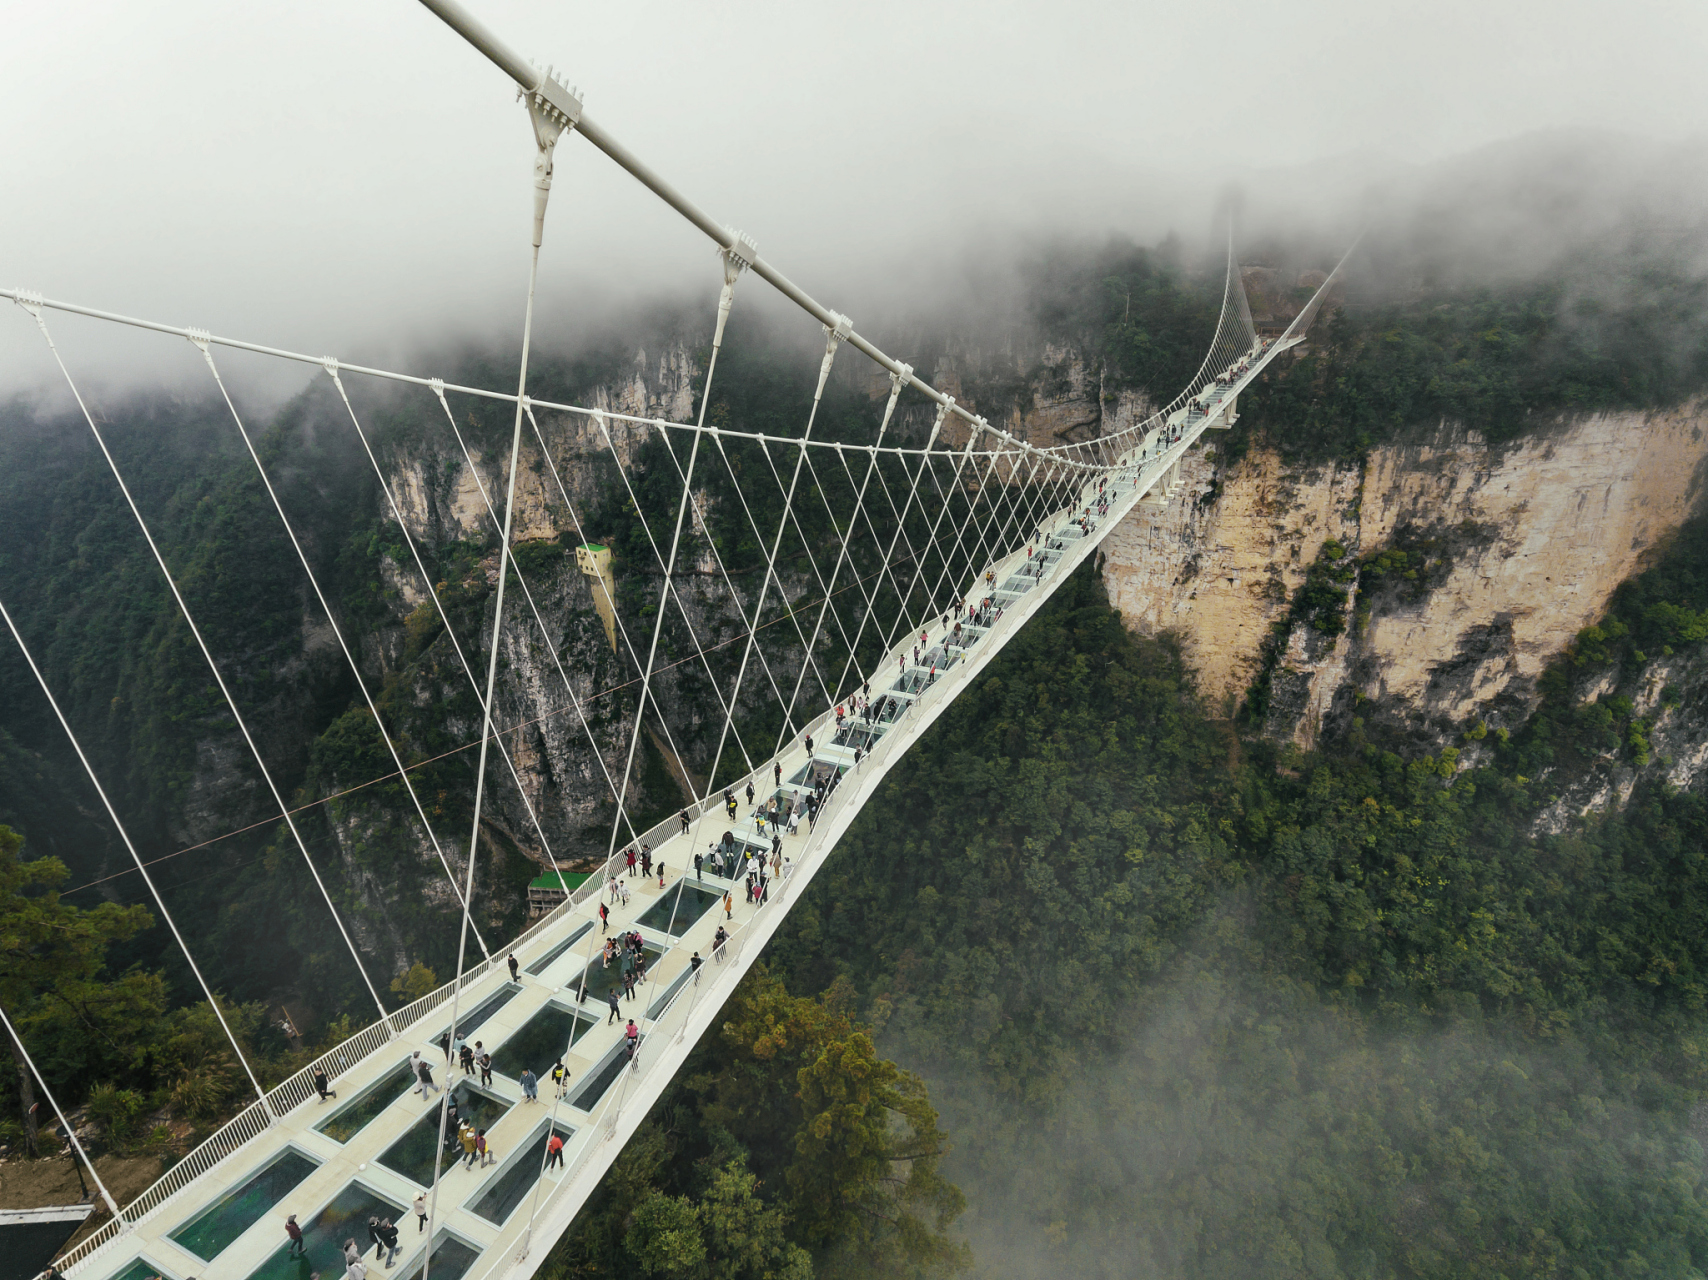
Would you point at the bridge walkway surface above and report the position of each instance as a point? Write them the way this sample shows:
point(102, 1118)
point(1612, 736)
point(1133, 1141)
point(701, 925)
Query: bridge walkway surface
point(221, 1211)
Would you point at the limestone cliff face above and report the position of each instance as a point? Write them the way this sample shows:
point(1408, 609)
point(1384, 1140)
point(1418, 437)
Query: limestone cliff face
point(570, 698)
point(1533, 539)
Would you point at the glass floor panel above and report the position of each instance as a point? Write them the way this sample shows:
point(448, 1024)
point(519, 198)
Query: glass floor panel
point(550, 958)
point(412, 1154)
point(469, 1020)
point(602, 1077)
point(676, 912)
point(348, 1120)
point(503, 1196)
point(452, 1259)
point(141, 1269)
point(346, 1218)
point(598, 979)
point(858, 735)
point(27, 1247)
point(540, 1041)
point(209, 1232)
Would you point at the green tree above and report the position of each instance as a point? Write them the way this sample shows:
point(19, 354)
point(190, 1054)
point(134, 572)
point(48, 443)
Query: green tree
point(52, 952)
point(664, 1237)
point(868, 1154)
point(747, 1240)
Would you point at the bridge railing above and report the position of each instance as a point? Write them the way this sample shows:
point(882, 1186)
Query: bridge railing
point(298, 1088)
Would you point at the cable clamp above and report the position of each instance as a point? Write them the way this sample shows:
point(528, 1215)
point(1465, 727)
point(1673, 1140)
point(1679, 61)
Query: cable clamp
point(554, 101)
point(438, 386)
point(740, 253)
point(30, 301)
point(841, 329)
point(598, 416)
point(199, 338)
point(900, 376)
point(331, 365)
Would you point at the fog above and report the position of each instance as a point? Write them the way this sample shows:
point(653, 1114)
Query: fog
point(353, 179)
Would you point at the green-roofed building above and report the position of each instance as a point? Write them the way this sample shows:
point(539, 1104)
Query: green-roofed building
point(547, 891)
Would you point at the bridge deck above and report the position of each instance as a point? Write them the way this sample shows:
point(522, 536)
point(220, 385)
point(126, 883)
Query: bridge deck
point(334, 1163)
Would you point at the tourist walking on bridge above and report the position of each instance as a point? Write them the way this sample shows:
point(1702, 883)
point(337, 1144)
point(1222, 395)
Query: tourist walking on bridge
point(297, 1249)
point(530, 1085)
point(421, 1211)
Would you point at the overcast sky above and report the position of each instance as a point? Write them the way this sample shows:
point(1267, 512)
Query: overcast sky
point(351, 178)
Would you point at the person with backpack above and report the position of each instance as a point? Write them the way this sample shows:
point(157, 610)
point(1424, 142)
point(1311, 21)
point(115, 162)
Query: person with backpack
point(560, 1077)
point(388, 1241)
point(424, 1074)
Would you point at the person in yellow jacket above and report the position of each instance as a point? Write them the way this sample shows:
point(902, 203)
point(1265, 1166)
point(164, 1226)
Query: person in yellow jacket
point(469, 1153)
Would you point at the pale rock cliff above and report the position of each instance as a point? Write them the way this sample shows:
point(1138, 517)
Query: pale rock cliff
point(1535, 535)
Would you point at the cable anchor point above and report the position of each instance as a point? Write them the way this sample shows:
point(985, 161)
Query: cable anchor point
point(552, 107)
point(944, 407)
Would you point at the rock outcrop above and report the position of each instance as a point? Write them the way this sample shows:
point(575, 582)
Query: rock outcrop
point(1533, 538)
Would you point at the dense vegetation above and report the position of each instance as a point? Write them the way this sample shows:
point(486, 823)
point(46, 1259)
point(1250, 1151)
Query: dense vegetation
point(1190, 1012)
point(1608, 331)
